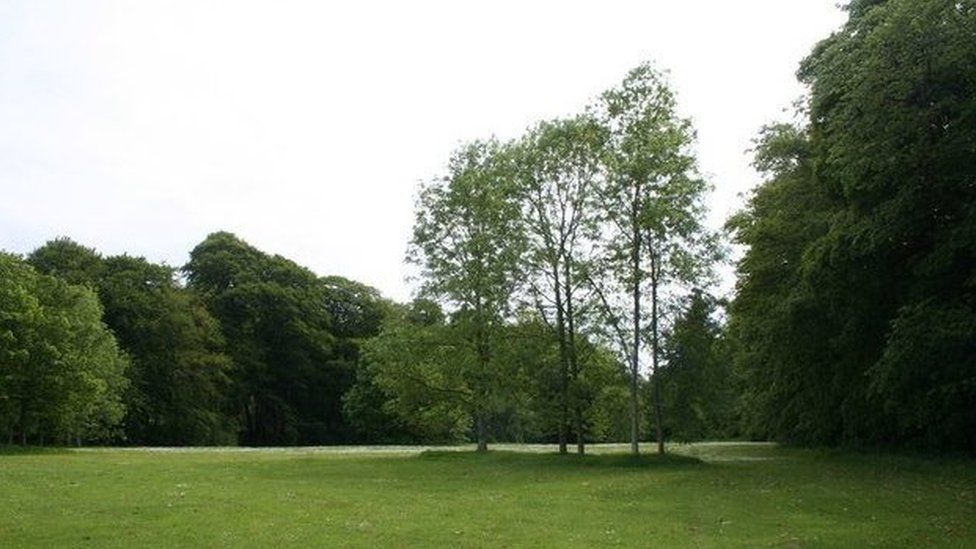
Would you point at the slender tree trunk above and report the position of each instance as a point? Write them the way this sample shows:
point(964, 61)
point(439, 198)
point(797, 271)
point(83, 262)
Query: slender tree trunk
point(563, 365)
point(483, 353)
point(635, 352)
point(580, 441)
point(573, 359)
point(482, 432)
point(658, 420)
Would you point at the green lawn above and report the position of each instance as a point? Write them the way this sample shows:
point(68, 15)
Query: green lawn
point(731, 495)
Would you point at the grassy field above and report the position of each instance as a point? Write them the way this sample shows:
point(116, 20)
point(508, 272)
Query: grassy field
point(701, 495)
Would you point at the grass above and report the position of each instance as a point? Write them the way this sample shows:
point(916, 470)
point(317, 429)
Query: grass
point(701, 495)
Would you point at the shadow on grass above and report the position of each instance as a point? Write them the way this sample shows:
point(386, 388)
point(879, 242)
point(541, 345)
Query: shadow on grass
point(7, 450)
point(510, 458)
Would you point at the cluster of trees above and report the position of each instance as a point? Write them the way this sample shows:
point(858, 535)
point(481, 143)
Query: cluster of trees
point(62, 374)
point(552, 266)
point(854, 319)
point(238, 347)
point(580, 236)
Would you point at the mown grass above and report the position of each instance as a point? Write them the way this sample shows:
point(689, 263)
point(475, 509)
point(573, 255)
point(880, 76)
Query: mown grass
point(701, 495)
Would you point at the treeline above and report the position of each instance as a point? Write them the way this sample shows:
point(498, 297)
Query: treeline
point(241, 347)
point(854, 320)
point(251, 349)
point(589, 231)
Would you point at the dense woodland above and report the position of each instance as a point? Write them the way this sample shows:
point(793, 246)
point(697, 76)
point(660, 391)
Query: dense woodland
point(567, 285)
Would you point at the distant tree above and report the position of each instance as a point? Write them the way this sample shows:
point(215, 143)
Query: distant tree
point(467, 240)
point(778, 344)
point(367, 405)
point(421, 375)
point(61, 373)
point(66, 259)
point(696, 379)
point(276, 317)
point(179, 373)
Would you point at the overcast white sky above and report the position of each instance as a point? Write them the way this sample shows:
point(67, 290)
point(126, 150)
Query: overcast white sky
point(304, 127)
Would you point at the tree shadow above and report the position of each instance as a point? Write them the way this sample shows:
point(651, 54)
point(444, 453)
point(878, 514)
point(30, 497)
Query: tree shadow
point(16, 450)
point(550, 459)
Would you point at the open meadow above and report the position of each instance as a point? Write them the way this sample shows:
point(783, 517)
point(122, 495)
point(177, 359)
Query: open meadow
point(719, 494)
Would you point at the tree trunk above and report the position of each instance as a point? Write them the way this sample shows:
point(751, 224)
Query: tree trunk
point(572, 357)
point(658, 420)
point(635, 352)
point(484, 358)
point(580, 441)
point(482, 432)
point(563, 365)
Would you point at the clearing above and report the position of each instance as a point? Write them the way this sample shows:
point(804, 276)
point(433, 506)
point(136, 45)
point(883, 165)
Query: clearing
point(709, 494)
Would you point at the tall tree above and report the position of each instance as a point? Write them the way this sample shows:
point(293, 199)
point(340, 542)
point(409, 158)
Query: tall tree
point(467, 241)
point(870, 216)
point(559, 174)
point(696, 381)
point(653, 207)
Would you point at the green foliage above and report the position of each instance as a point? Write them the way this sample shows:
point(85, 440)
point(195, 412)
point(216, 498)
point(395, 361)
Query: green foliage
point(854, 313)
point(559, 171)
point(61, 371)
point(468, 242)
point(655, 241)
point(696, 381)
point(179, 374)
point(427, 373)
point(294, 339)
point(276, 319)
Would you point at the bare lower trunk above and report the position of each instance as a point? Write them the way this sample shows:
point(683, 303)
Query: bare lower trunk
point(658, 420)
point(635, 351)
point(580, 442)
point(563, 367)
point(572, 357)
point(482, 433)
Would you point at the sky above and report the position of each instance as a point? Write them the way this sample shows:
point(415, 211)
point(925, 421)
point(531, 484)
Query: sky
point(306, 127)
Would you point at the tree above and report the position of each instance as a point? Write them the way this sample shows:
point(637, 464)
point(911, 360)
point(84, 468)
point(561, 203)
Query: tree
point(778, 338)
point(853, 320)
point(696, 381)
point(653, 210)
point(426, 377)
point(62, 373)
point(179, 373)
point(288, 379)
point(559, 173)
point(467, 240)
